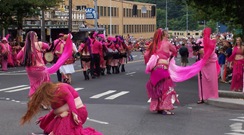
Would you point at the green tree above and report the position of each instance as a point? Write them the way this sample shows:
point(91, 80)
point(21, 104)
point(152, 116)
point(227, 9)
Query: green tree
point(12, 12)
point(229, 12)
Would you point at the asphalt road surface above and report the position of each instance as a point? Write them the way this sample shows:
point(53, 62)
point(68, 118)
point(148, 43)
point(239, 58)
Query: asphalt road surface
point(118, 105)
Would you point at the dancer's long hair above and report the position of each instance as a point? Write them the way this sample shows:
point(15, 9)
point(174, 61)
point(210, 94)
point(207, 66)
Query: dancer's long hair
point(29, 48)
point(157, 39)
point(43, 95)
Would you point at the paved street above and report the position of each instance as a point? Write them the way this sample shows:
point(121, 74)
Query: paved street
point(118, 105)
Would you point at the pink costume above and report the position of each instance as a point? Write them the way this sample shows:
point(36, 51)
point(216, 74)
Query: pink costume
point(66, 125)
point(208, 88)
point(37, 71)
point(6, 52)
point(160, 86)
point(237, 75)
point(208, 65)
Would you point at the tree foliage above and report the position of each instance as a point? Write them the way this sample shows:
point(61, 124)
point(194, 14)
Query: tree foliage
point(13, 11)
point(176, 14)
point(229, 12)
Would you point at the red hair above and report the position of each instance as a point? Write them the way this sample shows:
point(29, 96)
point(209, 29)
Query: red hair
point(157, 39)
point(43, 95)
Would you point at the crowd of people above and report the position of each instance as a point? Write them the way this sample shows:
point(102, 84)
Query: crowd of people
point(222, 54)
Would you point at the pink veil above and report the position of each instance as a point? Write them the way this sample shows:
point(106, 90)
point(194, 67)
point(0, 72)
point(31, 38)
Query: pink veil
point(179, 74)
point(65, 55)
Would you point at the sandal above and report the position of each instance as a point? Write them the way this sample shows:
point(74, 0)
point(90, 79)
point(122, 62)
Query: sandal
point(200, 102)
point(66, 80)
point(164, 112)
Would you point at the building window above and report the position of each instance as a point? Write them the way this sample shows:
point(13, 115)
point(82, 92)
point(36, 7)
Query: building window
point(101, 11)
point(105, 11)
point(108, 11)
point(115, 11)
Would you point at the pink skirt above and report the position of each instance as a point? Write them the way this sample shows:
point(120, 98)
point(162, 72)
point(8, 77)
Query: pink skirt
point(160, 90)
point(237, 76)
point(37, 75)
point(66, 125)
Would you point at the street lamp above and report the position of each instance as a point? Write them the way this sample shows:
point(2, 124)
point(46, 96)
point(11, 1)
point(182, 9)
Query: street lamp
point(70, 16)
point(186, 20)
point(96, 14)
point(166, 16)
point(110, 12)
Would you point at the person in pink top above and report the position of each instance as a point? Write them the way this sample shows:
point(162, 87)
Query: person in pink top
point(58, 50)
point(68, 114)
point(237, 59)
point(208, 82)
point(110, 53)
point(85, 57)
point(6, 52)
point(160, 87)
point(123, 49)
point(96, 50)
point(32, 58)
point(103, 54)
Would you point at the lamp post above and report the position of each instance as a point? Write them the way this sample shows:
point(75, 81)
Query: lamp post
point(110, 12)
point(43, 35)
point(186, 20)
point(166, 16)
point(96, 14)
point(70, 16)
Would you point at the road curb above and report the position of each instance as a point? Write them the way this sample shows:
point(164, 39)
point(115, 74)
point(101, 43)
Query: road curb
point(231, 94)
point(229, 103)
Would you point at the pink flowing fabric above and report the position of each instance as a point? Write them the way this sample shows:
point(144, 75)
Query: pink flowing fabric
point(65, 55)
point(179, 74)
point(151, 63)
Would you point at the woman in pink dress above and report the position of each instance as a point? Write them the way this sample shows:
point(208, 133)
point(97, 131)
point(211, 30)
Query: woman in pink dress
point(32, 58)
point(160, 86)
point(208, 81)
point(68, 113)
point(237, 59)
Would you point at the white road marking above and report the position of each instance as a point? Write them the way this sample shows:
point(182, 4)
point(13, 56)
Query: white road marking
point(15, 90)
point(130, 73)
point(13, 87)
point(97, 121)
point(103, 94)
point(117, 95)
point(77, 89)
point(240, 120)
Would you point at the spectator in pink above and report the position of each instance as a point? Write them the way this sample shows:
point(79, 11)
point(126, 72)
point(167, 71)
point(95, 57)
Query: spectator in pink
point(237, 59)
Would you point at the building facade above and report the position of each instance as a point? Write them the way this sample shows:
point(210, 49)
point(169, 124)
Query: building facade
point(116, 17)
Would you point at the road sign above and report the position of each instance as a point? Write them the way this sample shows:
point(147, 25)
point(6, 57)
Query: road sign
point(90, 13)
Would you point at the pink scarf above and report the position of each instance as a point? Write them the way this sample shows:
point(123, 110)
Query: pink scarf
point(65, 55)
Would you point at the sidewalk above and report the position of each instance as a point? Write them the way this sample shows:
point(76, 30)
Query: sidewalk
point(228, 99)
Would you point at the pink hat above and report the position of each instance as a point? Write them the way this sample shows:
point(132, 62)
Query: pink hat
point(101, 35)
point(94, 34)
point(111, 38)
point(61, 34)
point(5, 39)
